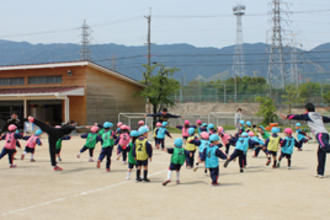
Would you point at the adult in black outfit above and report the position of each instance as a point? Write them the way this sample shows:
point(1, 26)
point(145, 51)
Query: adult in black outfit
point(53, 135)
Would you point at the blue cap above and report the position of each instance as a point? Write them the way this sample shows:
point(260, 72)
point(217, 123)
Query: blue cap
point(298, 124)
point(38, 132)
point(164, 124)
point(178, 142)
point(143, 130)
point(262, 127)
point(191, 131)
point(204, 125)
point(214, 137)
point(275, 130)
point(210, 126)
point(134, 133)
point(241, 122)
point(248, 123)
point(245, 134)
point(107, 124)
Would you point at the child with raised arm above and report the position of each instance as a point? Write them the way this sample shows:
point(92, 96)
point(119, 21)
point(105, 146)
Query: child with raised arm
point(287, 146)
point(32, 141)
point(160, 135)
point(91, 140)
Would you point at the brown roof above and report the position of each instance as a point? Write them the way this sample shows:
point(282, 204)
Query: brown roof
point(37, 90)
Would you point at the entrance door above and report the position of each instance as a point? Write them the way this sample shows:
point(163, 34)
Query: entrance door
point(8, 107)
point(50, 111)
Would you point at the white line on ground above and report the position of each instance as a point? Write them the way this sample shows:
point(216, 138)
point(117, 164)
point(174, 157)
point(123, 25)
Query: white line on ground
point(84, 193)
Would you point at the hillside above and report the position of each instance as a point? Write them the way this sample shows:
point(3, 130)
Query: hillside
point(194, 62)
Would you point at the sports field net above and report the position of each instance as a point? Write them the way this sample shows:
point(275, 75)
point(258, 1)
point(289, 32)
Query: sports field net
point(132, 119)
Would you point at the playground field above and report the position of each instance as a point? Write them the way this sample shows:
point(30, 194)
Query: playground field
point(81, 191)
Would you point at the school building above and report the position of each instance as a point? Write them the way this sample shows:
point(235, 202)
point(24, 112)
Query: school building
point(59, 92)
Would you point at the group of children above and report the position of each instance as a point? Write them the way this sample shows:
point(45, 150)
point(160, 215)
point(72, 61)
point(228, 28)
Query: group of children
point(206, 139)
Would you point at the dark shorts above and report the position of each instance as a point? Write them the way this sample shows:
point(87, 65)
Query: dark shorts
point(131, 165)
point(273, 153)
point(142, 163)
point(176, 167)
point(159, 141)
point(29, 150)
point(288, 156)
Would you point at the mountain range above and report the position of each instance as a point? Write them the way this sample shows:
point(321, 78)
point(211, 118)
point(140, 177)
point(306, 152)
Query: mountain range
point(194, 63)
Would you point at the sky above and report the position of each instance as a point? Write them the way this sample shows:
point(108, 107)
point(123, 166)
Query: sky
point(206, 23)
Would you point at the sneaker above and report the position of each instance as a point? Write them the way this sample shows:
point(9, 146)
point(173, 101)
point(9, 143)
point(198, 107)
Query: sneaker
point(128, 177)
point(108, 170)
point(319, 176)
point(22, 157)
point(59, 159)
point(195, 169)
point(78, 156)
point(57, 168)
point(98, 164)
point(215, 184)
point(226, 164)
point(146, 180)
point(289, 167)
point(268, 162)
point(12, 166)
point(178, 182)
point(241, 170)
point(90, 160)
point(166, 182)
point(278, 165)
point(274, 166)
point(138, 180)
point(33, 160)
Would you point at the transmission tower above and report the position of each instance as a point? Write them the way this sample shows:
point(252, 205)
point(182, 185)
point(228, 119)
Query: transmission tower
point(238, 59)
point(275, 75)
point(85, 35)
point(294, 70)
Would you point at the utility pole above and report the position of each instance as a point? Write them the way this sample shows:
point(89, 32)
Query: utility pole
point(276, 61)
point(113, 62)
point(85, 34)
point(149, 37)
point(238, 59)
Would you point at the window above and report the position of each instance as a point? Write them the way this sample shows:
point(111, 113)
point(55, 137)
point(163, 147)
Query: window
point(44, 79)
point(11, 81)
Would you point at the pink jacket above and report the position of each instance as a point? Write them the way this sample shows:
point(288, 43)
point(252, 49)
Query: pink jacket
point(225, 138)
point(10, 141)
point(124, 140)
point(32, 141)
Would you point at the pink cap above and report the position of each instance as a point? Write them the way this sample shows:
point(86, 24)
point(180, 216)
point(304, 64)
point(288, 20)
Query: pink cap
point(124, 127)
point(141, 122)
point(251, 134)
point(199, 122)
point(186, 122)
point(220, 129)
point(119, 124)
point(158, 124)
point(205, 135)
point(288, 131)
point(94, 129)
point(12, 127)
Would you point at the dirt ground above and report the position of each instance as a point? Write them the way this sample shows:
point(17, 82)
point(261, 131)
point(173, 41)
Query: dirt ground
point(80, 191)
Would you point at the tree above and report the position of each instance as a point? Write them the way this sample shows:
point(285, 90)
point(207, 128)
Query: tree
point(291, 96)
point(160, 87)
point(266, 110)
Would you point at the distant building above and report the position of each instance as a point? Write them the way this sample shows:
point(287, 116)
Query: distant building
point(58, 92)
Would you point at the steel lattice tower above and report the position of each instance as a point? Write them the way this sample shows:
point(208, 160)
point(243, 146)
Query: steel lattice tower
point(276, 73)
point(238, 59)
point(85, 34)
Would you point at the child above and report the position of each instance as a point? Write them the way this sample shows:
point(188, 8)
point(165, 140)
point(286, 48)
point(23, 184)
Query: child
point(10, 145)
point(59, 144)
point(224, 138)
point(177, 160)
point(123, 141)
point(32, 141)
point(259, 144)
point(198, 126)
point(204, 142)
point(210, 129)
point(158, 125)
point(272, 145)
point(91, 140)
point(184, 129)
point(53, 135)
point(140, 123)
point(241, 147)
point(301, 136)
point(315, 122)
point(287, 146)
point(203, 127)
point(131, 160)
point(191, 146)
point(119, 124)
point(108, 141)
point(210, 156)
point(142, 152)
point(264, 134)
point(160, 134)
